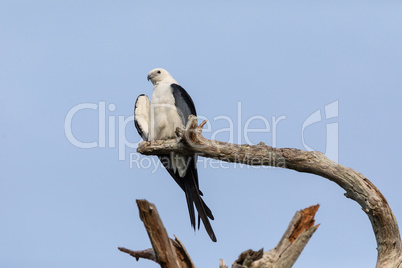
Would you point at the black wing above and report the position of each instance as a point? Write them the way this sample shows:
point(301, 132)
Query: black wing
point(184, 103)
point(189, 183)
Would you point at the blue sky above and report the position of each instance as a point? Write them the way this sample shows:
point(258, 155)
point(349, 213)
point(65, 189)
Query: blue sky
point(65, 206)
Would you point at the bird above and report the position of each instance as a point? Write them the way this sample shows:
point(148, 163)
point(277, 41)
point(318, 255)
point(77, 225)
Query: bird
point(157, 119)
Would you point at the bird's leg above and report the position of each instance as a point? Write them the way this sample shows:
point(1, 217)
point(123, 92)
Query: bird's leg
point(179, 133)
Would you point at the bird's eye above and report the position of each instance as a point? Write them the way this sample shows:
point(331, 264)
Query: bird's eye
point(159, 72)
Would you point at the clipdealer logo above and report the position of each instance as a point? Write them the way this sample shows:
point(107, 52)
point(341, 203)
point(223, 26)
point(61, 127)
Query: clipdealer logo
point(331, 110)
point(111, 131)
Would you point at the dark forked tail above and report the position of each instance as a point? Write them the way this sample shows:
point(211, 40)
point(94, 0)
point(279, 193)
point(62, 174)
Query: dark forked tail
point(189, 184)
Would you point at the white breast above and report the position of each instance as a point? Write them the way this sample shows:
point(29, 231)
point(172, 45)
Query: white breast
point(164, 118)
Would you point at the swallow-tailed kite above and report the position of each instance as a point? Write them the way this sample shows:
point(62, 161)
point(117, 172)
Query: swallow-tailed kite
point(158, 119)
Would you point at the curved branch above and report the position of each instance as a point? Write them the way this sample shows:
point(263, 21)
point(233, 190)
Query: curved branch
point(357, 187)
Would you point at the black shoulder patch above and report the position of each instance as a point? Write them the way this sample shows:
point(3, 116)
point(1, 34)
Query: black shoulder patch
point(184, 103)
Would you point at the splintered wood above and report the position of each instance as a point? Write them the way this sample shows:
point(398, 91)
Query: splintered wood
point(305, 222)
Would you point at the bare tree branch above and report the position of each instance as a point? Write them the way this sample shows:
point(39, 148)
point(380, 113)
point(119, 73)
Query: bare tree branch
point(222, 264)
point(168, 253)
point(182, 254)
point(289, 248)
point(148, 254)
point(292, 243)
point(357, 187)
point(164, 251)
point(284, 255)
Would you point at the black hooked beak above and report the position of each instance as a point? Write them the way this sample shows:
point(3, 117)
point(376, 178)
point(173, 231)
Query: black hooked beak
point(149, 77)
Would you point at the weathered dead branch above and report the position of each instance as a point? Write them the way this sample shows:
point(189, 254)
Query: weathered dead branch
point(292, 243)
point(148, 254)
point(170, 253)
point(357, 187)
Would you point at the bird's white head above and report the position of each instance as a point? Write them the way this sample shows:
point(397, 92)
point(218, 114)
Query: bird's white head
point(157, 75)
